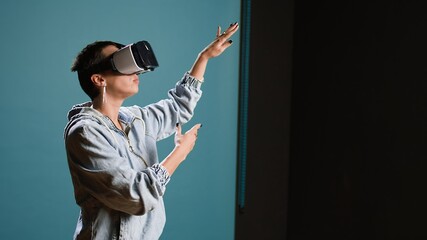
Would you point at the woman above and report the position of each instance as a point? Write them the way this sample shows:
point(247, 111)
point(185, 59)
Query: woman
point(118, 179)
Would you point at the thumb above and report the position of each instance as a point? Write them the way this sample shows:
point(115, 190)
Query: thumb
point(178, 129)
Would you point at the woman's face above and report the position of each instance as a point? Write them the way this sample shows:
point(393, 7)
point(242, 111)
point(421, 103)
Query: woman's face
point(119, 85)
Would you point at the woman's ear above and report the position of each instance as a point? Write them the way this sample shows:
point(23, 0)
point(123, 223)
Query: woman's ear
point(98, 80)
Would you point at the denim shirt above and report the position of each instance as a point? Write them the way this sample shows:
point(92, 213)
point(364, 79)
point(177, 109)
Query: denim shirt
point(118, 181)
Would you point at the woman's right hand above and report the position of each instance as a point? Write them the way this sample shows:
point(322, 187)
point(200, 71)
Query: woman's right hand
point(184, 143)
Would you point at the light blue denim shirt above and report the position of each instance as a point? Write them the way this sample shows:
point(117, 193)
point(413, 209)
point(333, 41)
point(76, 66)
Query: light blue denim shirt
point(118, 182)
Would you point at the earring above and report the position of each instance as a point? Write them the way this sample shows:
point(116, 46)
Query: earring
point(104, 91)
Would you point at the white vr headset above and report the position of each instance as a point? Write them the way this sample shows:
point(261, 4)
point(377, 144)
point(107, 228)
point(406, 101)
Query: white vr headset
point(135, 58)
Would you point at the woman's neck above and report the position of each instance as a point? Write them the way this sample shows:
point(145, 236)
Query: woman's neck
point(110, 109)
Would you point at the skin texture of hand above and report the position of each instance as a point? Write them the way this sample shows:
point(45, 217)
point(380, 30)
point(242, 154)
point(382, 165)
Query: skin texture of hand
point(214, 49)
point(221, 42)
point(184, 144)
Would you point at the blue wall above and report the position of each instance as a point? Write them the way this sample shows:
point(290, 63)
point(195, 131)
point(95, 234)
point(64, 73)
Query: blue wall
point(39, 40)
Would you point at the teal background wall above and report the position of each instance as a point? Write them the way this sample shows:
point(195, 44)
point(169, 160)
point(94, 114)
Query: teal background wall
point(39, 40)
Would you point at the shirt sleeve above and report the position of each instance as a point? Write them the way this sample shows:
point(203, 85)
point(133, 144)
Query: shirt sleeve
point(161, 173)
point(161, 117)
point(99, 171)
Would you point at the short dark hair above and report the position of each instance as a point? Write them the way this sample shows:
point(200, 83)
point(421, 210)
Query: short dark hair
point(86, 59)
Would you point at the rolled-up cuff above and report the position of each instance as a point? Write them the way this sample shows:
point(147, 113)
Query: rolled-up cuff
point(191, 81)
point(162, 174)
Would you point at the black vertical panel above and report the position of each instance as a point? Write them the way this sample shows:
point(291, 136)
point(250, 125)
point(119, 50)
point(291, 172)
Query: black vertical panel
point(268, 134)
point(358, 141)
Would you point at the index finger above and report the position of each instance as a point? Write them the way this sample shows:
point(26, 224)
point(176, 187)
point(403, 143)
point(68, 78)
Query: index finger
point(231, 30)
point(195, 128)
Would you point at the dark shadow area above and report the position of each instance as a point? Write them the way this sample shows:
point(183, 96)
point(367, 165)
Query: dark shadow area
point(341, 154)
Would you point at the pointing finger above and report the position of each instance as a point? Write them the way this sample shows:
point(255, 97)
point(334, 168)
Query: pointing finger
point(195, 129)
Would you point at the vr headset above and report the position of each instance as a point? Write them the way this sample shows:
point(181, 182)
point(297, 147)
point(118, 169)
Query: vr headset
point(135, 58)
